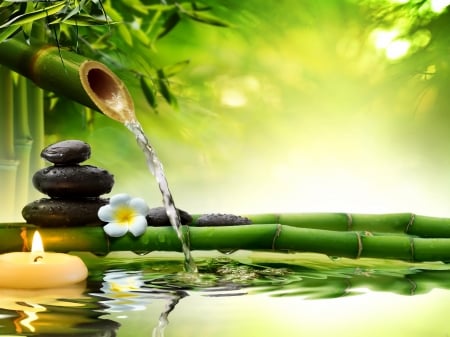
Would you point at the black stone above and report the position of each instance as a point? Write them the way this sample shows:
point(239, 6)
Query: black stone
point(222, 220)
point(67, 152)
point(158, 217)
point(73, 181)
point(64, 213)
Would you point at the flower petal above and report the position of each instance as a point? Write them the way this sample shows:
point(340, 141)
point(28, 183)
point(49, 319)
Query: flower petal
point(115, 230)
point(138, 226)
point(106, 213)
point(119, 199)
point(140, 206)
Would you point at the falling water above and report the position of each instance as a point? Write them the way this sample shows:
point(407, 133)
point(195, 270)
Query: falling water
point(111, 96)
point(157, 170)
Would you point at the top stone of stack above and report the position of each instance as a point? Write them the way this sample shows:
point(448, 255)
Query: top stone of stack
point(67, 152)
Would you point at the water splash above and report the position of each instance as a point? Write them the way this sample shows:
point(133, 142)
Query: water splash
point(156, 168)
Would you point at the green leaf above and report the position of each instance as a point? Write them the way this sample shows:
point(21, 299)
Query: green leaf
point(125, 34)
point(206, 18)
point(174, 69)
point(149, 92)
point(36, 15)
point(142, 37)
point(165, 90)
point(8, 32)
point(81, 20)
point(169, 24)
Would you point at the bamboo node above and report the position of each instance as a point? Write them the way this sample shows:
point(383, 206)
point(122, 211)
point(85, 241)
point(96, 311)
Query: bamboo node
point(410, 223)
point(349, 221)
point(360, 245)
point(276, 236)
point(412, 248)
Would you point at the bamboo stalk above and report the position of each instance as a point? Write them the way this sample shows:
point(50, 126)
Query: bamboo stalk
point(47, 66)
point(264, 237)
point(22, 143)
point(8, 163)
point(36, 119)
point(401, 223)
point(66, 73)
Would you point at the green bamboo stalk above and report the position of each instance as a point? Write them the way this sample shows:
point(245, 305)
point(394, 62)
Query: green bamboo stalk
point(50, 68)
point(36, 119)
point(22, 142)
point(401, 223)
point(261, 237)
point(8, 163)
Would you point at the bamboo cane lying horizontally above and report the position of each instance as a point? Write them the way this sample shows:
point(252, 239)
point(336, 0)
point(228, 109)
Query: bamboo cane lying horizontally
point(401, 223)
point(262, 237)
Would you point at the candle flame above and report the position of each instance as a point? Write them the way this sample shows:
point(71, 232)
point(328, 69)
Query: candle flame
point(36, 245)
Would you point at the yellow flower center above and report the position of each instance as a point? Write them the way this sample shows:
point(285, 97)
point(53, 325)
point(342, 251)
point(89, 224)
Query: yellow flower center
point(125, 215)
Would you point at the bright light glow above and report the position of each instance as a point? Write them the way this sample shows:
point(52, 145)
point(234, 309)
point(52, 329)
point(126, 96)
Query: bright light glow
point(439, 6)
point(233, 98)
point(36, 245)
point(387, 40)
point(397, 49)
point(382, 38)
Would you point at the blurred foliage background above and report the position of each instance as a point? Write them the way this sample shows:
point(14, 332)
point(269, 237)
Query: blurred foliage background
point(261, 106)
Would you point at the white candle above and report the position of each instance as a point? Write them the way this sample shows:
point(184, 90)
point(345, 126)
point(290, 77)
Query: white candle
point(39, 269)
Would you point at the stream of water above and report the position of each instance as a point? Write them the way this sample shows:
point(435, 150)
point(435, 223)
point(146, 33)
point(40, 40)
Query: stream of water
point(156, 168)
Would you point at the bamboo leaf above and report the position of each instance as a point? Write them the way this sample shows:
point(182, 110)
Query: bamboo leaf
point(175, 68)
point(149, 92)
point(169, 24)
point(142, 37)
point(8, 32)
point(113, 14)
point(167, 93)
point(206, 18)
point(125, 34)
point(36, 15)
point(81, 20)
point(160, 8)
point(136, 5)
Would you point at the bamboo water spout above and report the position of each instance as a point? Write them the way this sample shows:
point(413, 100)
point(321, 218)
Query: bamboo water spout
point(113, 99)
point(52, 69)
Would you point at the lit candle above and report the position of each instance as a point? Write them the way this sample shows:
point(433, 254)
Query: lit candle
point(39, 269)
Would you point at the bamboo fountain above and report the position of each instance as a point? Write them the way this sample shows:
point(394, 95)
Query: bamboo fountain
point(394, 236)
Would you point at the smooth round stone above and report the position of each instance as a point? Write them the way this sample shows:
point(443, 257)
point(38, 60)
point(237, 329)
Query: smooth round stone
point(67, 152)
point(63, 213)
point(158, 217)
point(217, 219)
point(73, 181)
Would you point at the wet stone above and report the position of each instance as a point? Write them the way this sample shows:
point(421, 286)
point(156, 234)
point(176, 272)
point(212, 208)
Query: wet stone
point(64, 213)
point(222, 220)
point(67, 152)
point(73, 181)
point(158, 217)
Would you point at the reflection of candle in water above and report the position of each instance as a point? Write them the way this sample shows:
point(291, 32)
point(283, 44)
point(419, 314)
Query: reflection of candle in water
point(39, 269)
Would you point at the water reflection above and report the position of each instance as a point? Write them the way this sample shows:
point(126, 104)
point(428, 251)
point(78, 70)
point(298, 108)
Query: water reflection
point(52, 312)
point(123, 295)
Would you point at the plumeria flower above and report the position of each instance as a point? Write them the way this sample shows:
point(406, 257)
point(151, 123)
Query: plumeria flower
point(124, 214)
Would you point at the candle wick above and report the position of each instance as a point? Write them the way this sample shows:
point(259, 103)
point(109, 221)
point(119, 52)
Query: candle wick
point(37, 258)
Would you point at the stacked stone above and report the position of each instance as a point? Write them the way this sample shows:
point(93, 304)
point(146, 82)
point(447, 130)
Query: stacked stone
point(74, 189)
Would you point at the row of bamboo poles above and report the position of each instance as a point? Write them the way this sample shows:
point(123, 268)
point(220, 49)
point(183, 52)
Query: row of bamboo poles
point(400, 236)
point(21, 140)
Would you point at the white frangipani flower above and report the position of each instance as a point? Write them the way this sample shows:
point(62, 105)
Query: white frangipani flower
point(124, 214)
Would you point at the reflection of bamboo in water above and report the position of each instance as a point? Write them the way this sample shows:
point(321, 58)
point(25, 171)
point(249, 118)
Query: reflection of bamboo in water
point(334, 284)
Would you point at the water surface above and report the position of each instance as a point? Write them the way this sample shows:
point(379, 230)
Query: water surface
point(242, 294)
